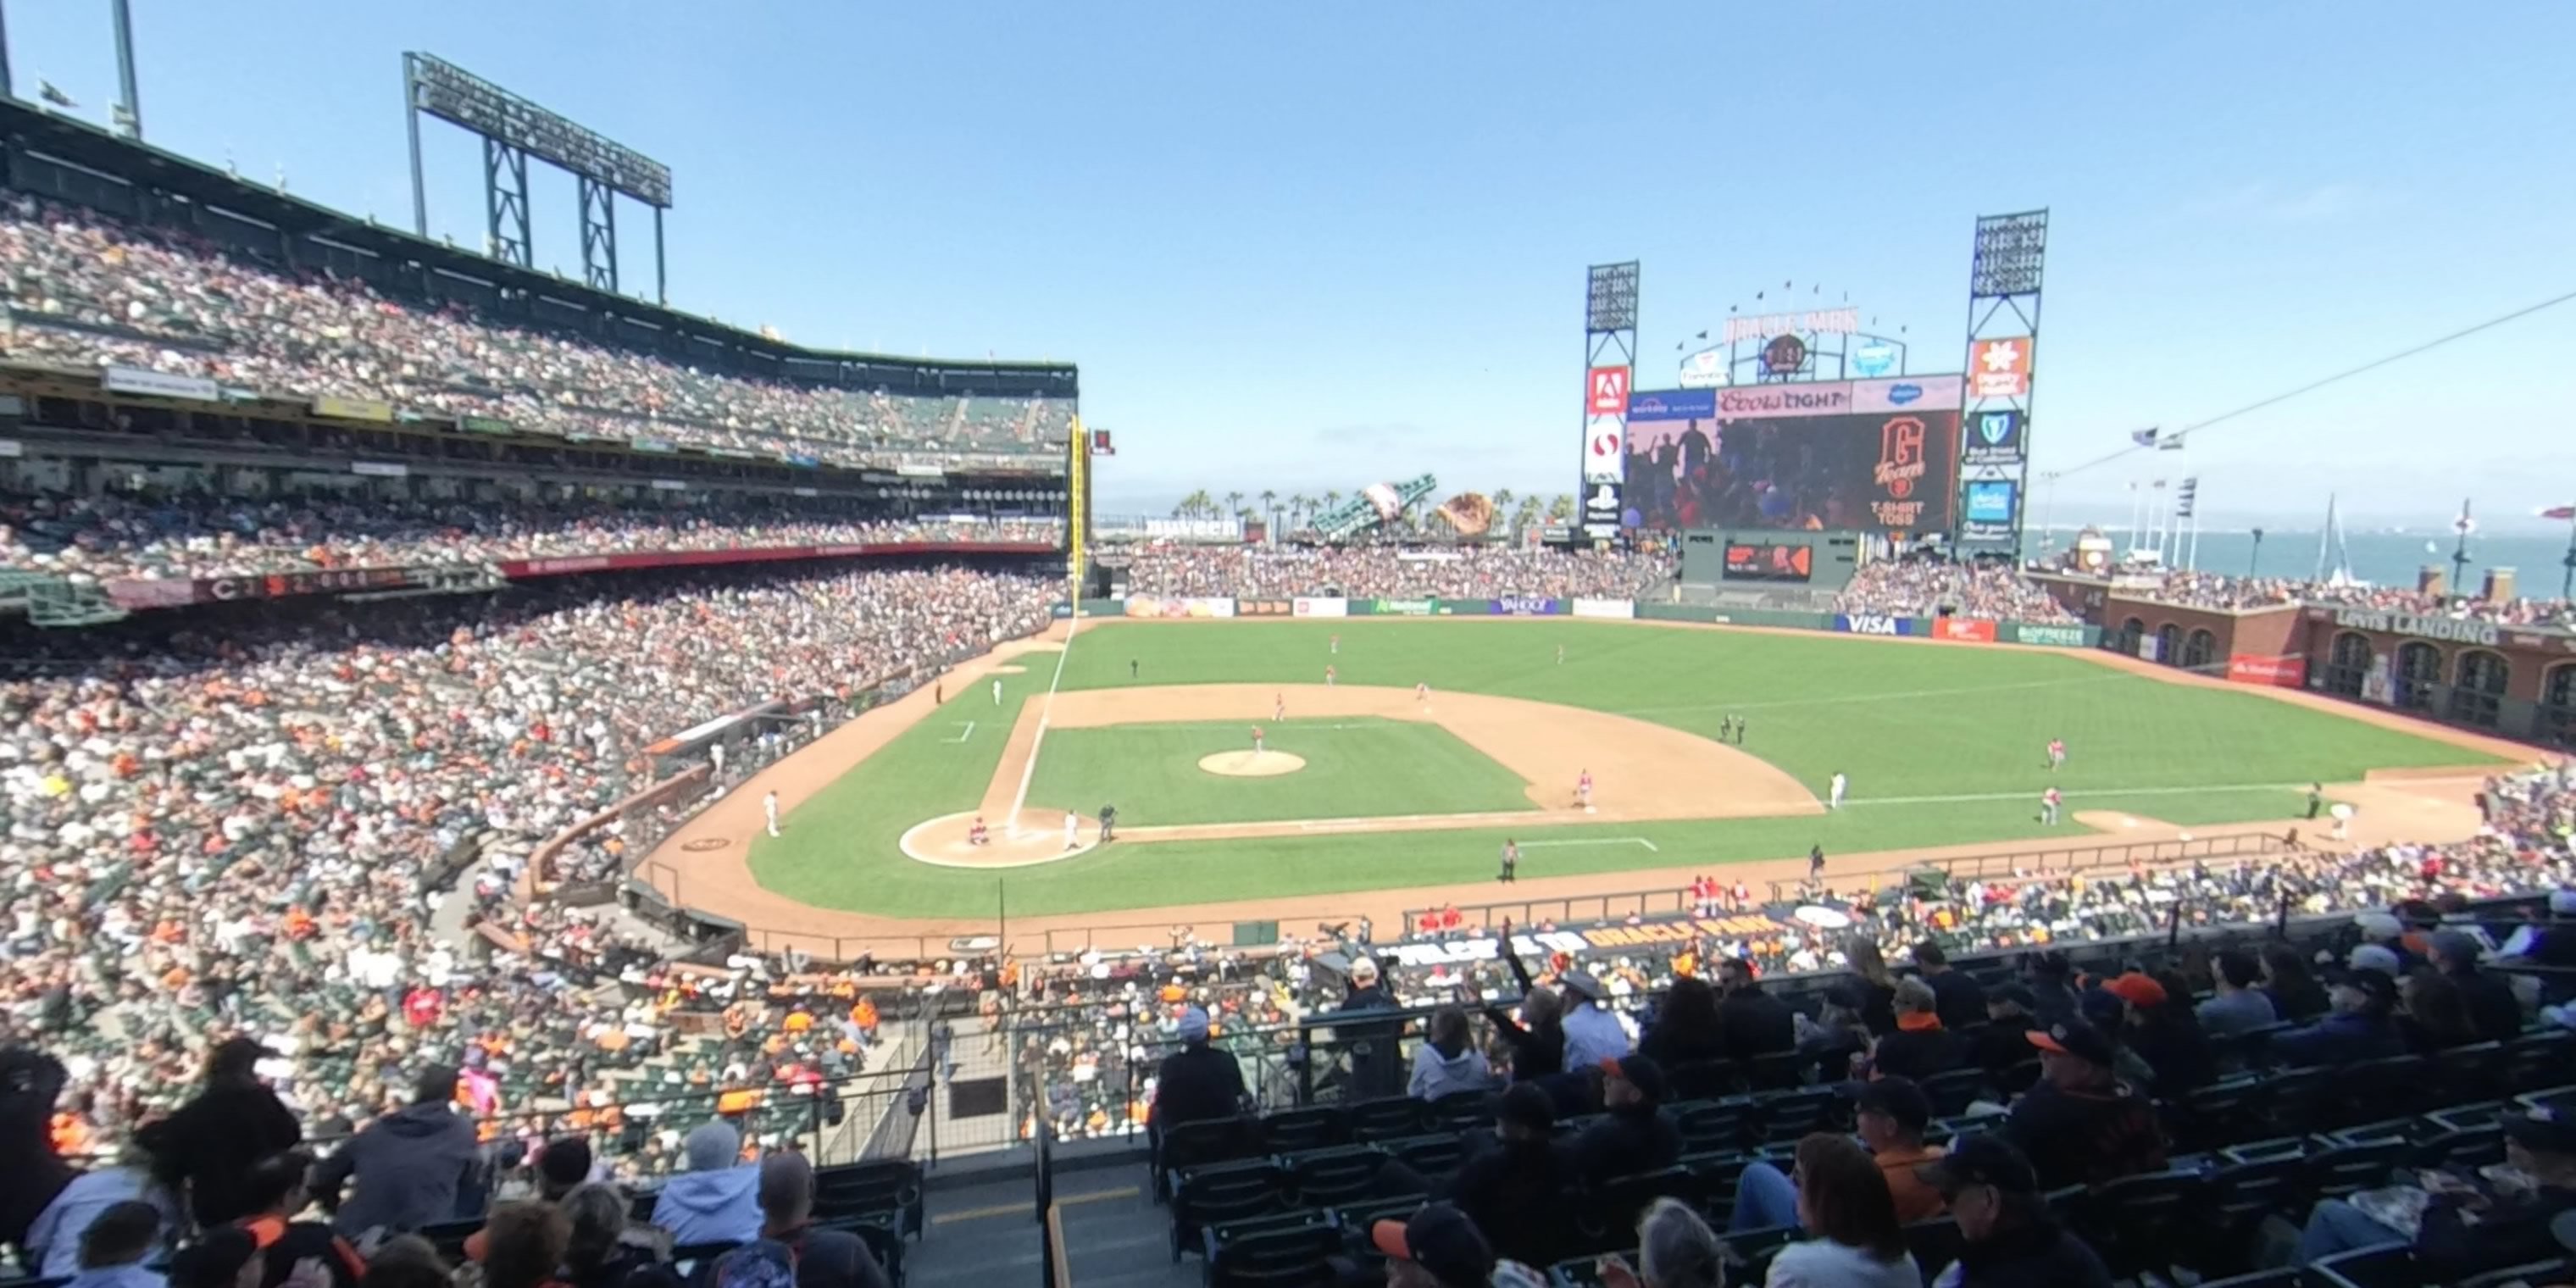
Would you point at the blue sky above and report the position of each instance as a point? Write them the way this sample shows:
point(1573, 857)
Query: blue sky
point(1312, 246)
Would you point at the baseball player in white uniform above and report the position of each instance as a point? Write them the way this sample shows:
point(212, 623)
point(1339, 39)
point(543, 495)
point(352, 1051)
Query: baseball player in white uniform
point(769, 806)
point(997, 693)
point(1072, 829)
point(1834, 793)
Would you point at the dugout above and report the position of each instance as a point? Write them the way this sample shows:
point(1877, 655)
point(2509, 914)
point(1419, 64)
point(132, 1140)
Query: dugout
point(1771, 559)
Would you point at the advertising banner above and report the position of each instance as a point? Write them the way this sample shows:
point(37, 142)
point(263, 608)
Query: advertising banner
point(1775, 402)
point(1463, 608)
point(1261, 608)
point(1395, 607)
point(485, 425)
point(1970, 629)
point(2279, 672)
point(1158, 607)
point(1987, 507)
point(1524, 606)
point(642, 443)
point(2150, 649)
point(1796, 457)
point(1606, 390)
point(2051, 636)
point(1907, 393)
point(1602, 513)
point(1673, 404)
point(1705, 369)
point(1589, 939)
point(380, 469)
point(2000, 368)
point(354, 409)
point(152, 384)
point(1605, 452)
point(1994, 438)
point(1873, 624)
point(1302, 606)
point(2453, 629)
point(1613, 609)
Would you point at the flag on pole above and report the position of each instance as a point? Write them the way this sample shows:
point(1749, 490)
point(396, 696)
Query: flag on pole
point(2559, 512)
point(2173, 444)
point(2185, 497)
point(2464, 525)
point(2144, 437)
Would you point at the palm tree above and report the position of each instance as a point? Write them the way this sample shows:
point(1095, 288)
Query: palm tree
point(1234, 502)
point(1561, 510)
point(1269, 507)
point(1526, 517)
point(1195, 505)
point(1502, 499)
point(1332, 499)
point(1300, 508)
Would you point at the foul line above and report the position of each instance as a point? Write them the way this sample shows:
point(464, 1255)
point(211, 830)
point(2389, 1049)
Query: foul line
point(1029, 770)
point(1598, 840)
point(2073, 797)
point(969, 733)
point(1882, 697)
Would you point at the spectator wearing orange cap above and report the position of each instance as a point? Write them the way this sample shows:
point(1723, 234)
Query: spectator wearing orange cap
point(2164, 1033)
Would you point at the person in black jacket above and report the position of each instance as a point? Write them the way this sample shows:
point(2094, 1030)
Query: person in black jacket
point(2470, 1225)
point(1957, 999)
point(823, 1258)
point(2493, 1009)
point(1635, 1136)
point(1518, 1189)
point(408, 1164)
point(2010, 1240)
point(1538, 1050)
point(2050, 978)
point(1196, 1083)
point(2164, 1033)
point(2081, 1125)
point(1919, 1048)
point(1751, 1022)
point(1377, 1065)
point(1687, 1026)
point(210, 1145)
point(2002, 1051)
point(2294, 990)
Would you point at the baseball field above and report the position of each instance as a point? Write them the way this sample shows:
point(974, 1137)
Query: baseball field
point(1368, 783)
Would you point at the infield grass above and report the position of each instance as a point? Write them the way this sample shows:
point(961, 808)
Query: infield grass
point(1355, 768)
point(1943, 746)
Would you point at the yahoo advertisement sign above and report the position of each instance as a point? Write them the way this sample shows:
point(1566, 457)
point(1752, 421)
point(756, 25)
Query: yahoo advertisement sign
point(1524, 606)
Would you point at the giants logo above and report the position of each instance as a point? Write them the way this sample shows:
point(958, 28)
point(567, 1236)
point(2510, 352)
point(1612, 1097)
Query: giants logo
point(1607, 391)
point(1900, 455)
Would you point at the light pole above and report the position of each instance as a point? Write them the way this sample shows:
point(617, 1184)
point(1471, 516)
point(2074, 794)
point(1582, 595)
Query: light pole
point(2254, 560)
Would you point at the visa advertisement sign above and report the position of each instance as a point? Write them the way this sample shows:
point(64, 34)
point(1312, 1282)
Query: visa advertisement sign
point(1873, 624)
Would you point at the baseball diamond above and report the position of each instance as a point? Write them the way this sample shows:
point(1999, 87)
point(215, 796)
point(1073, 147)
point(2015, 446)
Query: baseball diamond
point(1942, 746)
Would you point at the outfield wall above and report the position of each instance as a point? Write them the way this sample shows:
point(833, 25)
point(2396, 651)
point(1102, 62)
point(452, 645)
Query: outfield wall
point(1966, 630)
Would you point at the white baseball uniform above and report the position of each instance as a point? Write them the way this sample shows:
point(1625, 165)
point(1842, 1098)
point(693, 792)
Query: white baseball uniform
point(1834, 794)
point(769, 806)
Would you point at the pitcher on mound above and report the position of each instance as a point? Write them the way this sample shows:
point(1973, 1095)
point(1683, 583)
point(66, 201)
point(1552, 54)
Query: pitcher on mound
point(1256, 740)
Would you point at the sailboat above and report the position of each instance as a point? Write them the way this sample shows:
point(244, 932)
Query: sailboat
point(2334, 558)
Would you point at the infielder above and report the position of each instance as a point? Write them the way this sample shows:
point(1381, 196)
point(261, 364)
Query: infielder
point(1834, 792)
point(1583, 791)
point(1072, 829)
point(2048, 803)
point(1278, 708)
point(1256, 740)
point(2056, 754)
point(997, 693)
point(1328, 677)
point(1511, 861)
point(1421, 691)
point(769, 807)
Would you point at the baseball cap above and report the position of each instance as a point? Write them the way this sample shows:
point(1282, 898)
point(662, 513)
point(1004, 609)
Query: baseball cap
point(2075, 1038)
point(2379, 984)
point(1898, 1098)
point(2017, 994)
point(1581, 982)
point(2455, 945)
point(1441, 1240)
point(2548, 1129)
point(1363, 970)
point(1194, 1025)
point(2137, 988)
point(1527, 1105)
point(1638, 1071)
point(2378, 957)
point(1981, 1159)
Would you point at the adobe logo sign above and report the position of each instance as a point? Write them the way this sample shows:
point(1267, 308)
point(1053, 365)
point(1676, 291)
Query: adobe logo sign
point(1606, 391)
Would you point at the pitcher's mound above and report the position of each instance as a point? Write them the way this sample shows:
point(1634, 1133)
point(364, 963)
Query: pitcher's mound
point(1038, 838)
point(1252, 764)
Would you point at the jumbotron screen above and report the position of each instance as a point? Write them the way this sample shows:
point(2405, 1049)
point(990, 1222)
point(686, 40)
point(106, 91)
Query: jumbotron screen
point(1871, 455)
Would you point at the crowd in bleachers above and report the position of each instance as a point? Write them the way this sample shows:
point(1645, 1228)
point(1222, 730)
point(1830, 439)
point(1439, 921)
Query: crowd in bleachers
point(240, 825)
point(1929, 587)
point(196, 535)
point(2198, 589)
point(84, 290)
point(1464, 572)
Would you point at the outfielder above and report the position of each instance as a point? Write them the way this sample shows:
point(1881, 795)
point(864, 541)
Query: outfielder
point(1337, 646)
point(997, 693)
point(1328, 677)
point(1560, 655)
point(2056, 754)
point(1834, 791)
point(1278, 708)
point(2048, 803)
point(1421, 691)
point(769, 807)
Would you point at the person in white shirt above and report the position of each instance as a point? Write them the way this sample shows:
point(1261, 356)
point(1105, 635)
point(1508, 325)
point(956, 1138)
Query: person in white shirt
point(1072, 829)
point(1844, 1201)
point(1834, 793)
point(769, 807)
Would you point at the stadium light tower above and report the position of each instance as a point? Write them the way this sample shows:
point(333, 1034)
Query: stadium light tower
point(514, 129)
point(2003, 339)
point(1609, 365)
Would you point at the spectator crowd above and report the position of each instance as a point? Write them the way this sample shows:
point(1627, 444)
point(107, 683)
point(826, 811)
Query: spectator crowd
point(245, 826)
point(113, 536)
point(2198, 589)
point(85, 290)
point(1930, 587)
point(1465, 572)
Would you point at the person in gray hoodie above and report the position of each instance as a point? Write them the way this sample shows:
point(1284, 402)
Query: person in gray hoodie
point(1448, 1063)
point(717, 1200)
point(407, 1164)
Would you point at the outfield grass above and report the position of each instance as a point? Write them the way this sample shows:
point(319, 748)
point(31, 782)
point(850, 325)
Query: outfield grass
point(1942, 745)
point(1355, 767)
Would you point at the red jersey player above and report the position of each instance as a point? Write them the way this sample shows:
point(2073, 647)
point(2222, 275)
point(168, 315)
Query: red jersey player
point(1583, 790)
